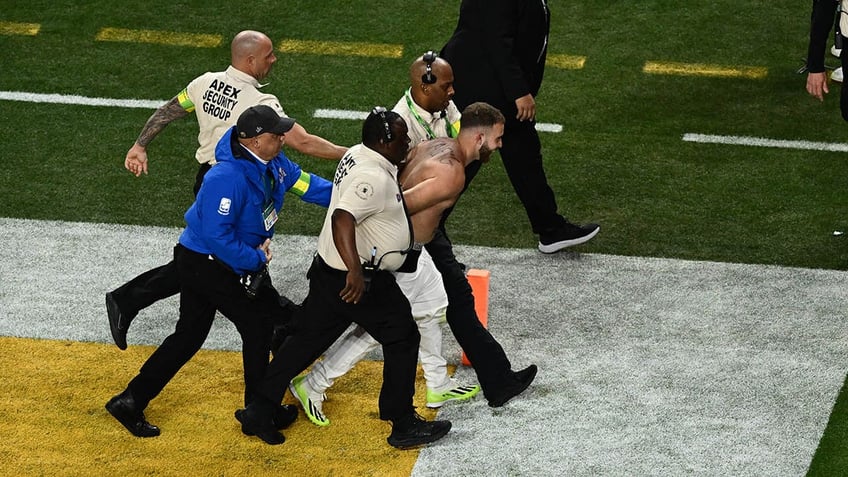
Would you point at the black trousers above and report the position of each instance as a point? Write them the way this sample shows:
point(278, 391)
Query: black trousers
point(207, 286)
point(486, 355)
point(155, 284)
point(384, 313)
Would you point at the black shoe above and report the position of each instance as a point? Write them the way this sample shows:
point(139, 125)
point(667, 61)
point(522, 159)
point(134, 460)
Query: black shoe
point(413, 431)
point(123, 408)
point(119, 322)
point(522, 379)
point(252, 424)
point(567, 236)
point(284, 416)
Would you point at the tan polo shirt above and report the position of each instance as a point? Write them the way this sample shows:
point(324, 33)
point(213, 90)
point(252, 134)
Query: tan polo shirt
point(365, 185)
point(218, 99)
point(423, 125)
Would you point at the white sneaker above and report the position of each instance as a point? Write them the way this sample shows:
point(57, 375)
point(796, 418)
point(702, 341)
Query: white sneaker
point(310, 401)
point(454, 392)
point(837, 52)
point(837, 75)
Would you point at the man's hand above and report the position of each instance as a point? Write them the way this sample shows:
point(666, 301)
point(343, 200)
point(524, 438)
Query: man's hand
point(136, 160)
point(817, 85)
point(526, 106)
point(354, 286)
point(266, 247)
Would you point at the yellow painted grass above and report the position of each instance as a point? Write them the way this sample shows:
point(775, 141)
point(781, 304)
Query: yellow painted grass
point(197, 40)
point(339, 48)
point(568, 62)
point(52, 419)
point(13, 28)
point(697, 69)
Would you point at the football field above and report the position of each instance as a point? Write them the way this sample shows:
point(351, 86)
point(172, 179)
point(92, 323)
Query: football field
point(703, 331)
point(646, 367)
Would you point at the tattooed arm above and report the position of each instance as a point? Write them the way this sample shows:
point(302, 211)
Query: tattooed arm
point(136, 160)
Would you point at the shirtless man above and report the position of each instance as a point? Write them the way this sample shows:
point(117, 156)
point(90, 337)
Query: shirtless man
point(432, 177)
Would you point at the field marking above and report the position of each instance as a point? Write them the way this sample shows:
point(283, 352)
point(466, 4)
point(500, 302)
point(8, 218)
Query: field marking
point(360, 115)
point(341, 48)
point(13, 28)
point(696, 69)
point(197, 40)
point(765, 142)
point(82, 100)
point(567, 62)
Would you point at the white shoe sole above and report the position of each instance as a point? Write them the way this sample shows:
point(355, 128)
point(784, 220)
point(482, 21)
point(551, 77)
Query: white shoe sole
point(557, 246)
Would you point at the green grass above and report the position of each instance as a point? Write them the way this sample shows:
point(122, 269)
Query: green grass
point(619, 161)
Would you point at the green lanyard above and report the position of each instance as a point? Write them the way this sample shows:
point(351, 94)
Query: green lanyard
point(430, 134)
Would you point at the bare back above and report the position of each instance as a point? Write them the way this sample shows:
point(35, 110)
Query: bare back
point(432, 180)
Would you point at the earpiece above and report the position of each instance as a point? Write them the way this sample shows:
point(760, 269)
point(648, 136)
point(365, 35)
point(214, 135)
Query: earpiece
point(387, 130)
point(428, 77)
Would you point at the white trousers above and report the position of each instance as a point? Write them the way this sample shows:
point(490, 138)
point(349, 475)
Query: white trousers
point(426, 294)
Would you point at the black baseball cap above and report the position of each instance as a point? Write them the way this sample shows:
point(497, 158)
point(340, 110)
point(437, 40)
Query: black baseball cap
point(256, 120)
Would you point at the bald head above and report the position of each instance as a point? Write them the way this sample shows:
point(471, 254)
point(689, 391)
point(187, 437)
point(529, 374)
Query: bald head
point(253, 53)
point(432, 97)
point(245, 44)
point(439, 68)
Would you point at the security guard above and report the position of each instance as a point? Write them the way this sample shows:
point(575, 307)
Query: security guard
point(366, 235)
point(221, 257)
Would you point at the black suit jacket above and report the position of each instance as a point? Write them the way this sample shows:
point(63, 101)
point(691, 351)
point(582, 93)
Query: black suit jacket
point(498, 51)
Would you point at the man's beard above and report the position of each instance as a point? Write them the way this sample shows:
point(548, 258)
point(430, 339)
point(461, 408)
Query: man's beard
point(485, 154)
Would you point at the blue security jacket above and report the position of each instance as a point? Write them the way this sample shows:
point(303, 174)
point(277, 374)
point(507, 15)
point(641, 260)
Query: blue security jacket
point(226, 220)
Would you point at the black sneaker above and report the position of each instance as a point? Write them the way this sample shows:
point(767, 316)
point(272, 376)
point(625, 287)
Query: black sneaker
point(568, 235)
point(521, 380)
point(413, 431)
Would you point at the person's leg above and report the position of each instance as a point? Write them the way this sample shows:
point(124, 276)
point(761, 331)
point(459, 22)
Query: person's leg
point(317, 326)
point(124, 302)
point(253, 319)
point(433, 364)
point(196, 316)
point(521, 154)
point(339, 359)
point(483, 351)
point(386, 315)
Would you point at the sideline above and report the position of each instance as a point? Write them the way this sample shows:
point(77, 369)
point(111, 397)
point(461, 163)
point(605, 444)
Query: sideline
point(644, 364)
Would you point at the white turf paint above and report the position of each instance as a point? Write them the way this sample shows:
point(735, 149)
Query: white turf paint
point(82, 100)
point(360, 115)
point(646, 366)
point(153, 104)
point(765, 142)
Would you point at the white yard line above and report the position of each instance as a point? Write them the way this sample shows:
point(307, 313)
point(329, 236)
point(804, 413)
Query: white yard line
point(765, 142)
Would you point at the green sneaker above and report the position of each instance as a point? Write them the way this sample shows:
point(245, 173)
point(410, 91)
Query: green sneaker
point(459, 393)
point(311, 407)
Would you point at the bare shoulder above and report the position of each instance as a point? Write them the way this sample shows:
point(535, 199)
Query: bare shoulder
point(437, 154)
